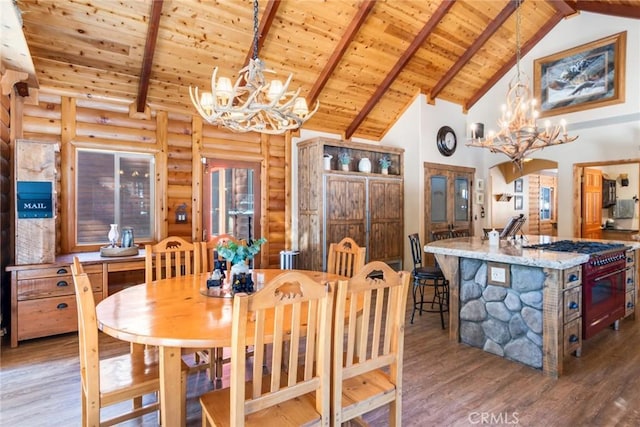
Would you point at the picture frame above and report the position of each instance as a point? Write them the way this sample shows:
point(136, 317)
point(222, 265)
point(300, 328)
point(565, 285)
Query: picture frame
point(518, 202)
point(517, 186)
point(591, 75)
point(479, 184)
point(479, 198)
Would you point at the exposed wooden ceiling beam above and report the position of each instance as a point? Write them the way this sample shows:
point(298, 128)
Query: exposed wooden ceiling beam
point(265, 25)
point(622, 10)
point(365, 7)
point(397, 68)
point(539, 35)
point(564, 7)
point(149, 51)
point(493, 26)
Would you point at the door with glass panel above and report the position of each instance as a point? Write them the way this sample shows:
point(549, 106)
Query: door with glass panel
point(231, 200)
point(447, 198)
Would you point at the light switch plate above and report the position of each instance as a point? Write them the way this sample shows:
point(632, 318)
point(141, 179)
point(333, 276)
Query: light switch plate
point(498, 274)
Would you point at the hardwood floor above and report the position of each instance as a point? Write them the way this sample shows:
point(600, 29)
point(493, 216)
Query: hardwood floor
point(445, 383)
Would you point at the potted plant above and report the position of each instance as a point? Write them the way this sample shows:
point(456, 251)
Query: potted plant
point(344, 158)
point(385, 162)
point(238, 254)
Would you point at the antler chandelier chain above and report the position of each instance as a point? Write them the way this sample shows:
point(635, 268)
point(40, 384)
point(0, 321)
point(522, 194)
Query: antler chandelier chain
point(252, 104)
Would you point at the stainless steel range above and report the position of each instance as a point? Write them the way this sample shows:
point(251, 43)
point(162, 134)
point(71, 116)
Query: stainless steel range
point(603, 282)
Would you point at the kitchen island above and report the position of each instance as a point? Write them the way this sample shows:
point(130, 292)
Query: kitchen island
point(519, 303)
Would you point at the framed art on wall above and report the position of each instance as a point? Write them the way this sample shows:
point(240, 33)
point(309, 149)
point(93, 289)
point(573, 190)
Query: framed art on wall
point(586, 76)
point(479, 184)
point(518, 203)
point(517, 186)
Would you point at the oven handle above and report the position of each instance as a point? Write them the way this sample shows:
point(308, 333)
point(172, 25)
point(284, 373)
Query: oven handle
point(597, 279)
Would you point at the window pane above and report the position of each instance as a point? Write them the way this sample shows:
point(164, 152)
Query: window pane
point(98, 203)
point(135, 197)
point(231, 193)
point(438, 198)
point(545, 203)
point(461, 209)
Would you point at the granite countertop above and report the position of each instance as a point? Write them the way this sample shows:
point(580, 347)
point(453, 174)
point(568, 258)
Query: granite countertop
point(512, 251)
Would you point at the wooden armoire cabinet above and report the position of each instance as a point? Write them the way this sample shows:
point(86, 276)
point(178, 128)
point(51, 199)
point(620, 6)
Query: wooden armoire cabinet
point(333, 204)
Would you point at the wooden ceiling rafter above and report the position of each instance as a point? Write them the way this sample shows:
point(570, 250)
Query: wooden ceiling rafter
point(539, 35)
point(563, 7)
point(363, 59)
point(621, 10)
point(149, 52)
point(363, 12)
point(266, 21)
point(417, 42)
point(493, 26)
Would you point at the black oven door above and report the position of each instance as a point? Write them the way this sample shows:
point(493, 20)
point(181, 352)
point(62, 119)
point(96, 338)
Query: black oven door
point(603, 300)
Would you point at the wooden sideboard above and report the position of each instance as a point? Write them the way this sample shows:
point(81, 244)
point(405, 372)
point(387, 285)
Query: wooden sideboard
point(42, 295)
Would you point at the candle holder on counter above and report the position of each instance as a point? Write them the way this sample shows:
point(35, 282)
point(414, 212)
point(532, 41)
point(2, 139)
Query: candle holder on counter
point(127, 246)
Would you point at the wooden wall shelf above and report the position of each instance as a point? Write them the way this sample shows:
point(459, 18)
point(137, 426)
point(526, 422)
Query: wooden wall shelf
point(503, 197)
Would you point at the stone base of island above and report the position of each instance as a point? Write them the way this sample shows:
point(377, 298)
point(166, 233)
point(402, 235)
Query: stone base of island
point(518, 303)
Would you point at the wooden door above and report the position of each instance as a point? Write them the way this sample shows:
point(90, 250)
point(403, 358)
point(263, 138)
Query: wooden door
point(345, 210)
point(447, 198)
point(385, 221)
point(591, 204)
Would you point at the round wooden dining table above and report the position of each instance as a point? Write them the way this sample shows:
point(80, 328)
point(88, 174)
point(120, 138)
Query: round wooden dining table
point(173, 314)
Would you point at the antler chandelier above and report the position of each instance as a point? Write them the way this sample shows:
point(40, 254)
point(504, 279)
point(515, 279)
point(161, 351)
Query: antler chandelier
point(252, 104)
point(519, 134)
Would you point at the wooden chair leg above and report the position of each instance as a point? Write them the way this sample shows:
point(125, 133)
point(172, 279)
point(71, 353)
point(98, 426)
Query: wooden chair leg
point(219, 361)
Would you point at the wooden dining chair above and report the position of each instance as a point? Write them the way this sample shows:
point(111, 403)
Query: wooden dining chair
point(345, 258)
point(175, 257)
point(209, 256)
point(460, 232)
point(107, 381)
point(291, 309)
point(367, 365)
point(171, 257)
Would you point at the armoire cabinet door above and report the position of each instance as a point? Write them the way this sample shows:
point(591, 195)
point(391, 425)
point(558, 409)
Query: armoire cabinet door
point(386, 221)
point(345, 210)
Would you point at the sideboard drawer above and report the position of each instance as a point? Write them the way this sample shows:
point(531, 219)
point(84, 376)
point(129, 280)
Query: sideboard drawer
point(572, 336)
point(48, 316)
point(572, 304)
point(60, 271)
point(629, 279)
point(572, 277)
point(46, 287)
point(631, 257)
point(629, 303)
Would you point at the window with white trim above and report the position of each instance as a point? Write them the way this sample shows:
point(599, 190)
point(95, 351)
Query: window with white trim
point(113, 188)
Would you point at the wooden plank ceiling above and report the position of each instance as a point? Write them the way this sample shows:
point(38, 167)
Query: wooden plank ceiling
point(364, 60)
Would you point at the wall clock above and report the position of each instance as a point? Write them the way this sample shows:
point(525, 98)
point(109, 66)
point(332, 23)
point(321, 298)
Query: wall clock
point(446, 141)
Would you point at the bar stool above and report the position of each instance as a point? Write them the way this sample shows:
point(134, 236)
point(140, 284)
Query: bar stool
point(424, 277)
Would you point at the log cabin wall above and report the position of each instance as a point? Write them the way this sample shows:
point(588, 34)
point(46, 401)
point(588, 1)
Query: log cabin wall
point(6, 190)
point(178, 142)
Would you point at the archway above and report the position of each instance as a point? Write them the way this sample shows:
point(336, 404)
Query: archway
point(531, 191)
